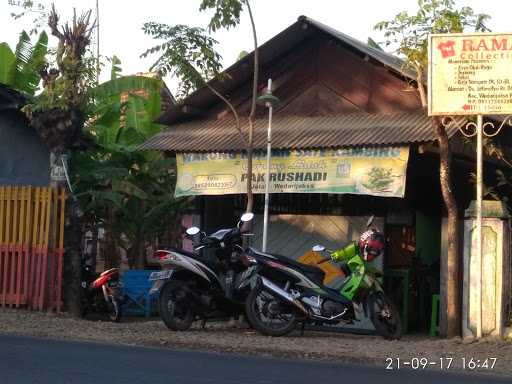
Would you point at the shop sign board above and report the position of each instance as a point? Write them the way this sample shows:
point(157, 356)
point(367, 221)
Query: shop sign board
point(470, 74)
point(377, 171)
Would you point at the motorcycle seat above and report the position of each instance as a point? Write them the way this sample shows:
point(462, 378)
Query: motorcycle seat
point(221, 234)
point(109, 271)
point(204, 257)
point(315, 274)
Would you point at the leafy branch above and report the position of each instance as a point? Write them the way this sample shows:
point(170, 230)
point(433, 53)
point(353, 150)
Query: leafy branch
point(188, 53)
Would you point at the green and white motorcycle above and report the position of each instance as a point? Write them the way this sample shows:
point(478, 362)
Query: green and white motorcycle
point(286, 292)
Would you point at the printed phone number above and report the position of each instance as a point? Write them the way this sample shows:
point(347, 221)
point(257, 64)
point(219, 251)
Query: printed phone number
point(490, 101)
point(442, 363)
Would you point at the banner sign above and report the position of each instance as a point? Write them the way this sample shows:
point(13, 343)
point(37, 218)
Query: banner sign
point(377, 171)
point(470, 74)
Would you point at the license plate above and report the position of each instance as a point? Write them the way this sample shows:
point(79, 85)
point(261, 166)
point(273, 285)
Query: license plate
point(160, 275)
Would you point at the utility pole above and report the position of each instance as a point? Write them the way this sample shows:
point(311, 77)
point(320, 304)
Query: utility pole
point(479, 182)
point(97, 42)
point(269, 101)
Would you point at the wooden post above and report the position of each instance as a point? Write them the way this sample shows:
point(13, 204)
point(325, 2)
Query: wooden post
point(39, 247)
point(60, 250)
point(34, 247)
point(52, 245)
point(3, 254)
point(44, 258)
point(19, 242)
point(8, 244)
point(26, 243)
point(14, 243)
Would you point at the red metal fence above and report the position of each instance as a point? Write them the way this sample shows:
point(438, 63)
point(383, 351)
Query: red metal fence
point(31, 247)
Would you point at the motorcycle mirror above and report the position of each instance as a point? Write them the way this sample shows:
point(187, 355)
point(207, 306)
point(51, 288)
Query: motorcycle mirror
point(192, 231)
point(248, 216)
point(370, 221)
point(318, 248)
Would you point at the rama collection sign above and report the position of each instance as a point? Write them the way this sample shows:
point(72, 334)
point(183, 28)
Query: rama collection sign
point(377, 171)
point(470, 74)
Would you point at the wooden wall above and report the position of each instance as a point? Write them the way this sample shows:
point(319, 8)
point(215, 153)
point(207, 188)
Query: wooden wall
point(323, 77)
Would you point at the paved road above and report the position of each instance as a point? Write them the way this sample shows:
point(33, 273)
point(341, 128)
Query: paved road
point(30, 360)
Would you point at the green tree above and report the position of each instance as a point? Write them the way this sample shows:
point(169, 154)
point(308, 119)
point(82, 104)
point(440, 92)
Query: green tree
point(408, 33)
point(188, 53)
point(129, 194)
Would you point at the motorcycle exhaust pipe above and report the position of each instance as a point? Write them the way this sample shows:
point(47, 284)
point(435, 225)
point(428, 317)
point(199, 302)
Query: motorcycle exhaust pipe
point(283, 294)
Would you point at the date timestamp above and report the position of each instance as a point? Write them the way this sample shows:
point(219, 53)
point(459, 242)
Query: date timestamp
point(441, 363)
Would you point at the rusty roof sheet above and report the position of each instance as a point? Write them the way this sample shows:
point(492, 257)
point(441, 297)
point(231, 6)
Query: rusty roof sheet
point(357, 129)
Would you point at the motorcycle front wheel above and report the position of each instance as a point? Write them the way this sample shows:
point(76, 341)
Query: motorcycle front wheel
point(268, 314)
point(175, 309)
point(384, 316)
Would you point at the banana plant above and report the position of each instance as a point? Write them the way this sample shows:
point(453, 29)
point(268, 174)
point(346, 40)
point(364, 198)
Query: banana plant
point(123, 111)
point(21, 69)
point(127, 192)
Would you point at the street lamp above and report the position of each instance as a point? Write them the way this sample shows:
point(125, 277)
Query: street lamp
point(268, 100)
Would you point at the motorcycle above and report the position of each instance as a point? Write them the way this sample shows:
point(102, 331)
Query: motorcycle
point(99, 292)
point(286, 292)
point(201, 285)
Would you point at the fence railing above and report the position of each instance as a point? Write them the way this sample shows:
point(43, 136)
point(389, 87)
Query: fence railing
point(31, 247)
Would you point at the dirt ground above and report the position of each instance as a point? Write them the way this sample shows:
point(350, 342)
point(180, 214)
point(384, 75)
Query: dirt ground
point(221, 337)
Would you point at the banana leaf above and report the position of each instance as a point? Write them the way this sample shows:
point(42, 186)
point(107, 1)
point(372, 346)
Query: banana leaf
point(7, 60)
point(125, 84)
point(21, 69)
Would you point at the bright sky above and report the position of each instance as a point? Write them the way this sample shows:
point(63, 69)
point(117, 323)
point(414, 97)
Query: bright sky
point(121, 21)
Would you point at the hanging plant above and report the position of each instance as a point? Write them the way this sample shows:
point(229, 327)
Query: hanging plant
point(57, 114)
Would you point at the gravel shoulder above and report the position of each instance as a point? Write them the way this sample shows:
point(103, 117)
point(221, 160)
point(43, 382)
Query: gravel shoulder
point(220, 337)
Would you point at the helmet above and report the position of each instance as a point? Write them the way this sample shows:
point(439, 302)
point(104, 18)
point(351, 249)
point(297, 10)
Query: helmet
point(371, 244)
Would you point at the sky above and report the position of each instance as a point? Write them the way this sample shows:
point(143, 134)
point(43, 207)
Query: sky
point(121, 22)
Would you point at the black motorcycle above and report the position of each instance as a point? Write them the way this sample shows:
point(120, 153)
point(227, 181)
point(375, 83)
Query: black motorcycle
point(200, 285)
point(286, 292)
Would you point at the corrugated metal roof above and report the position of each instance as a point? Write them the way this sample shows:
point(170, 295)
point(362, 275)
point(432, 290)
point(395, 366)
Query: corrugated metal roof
point(357, 129)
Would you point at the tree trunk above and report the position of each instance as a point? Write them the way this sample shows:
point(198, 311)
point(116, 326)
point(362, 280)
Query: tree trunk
point(450, 267)
point(94, 244)
point(250, 196)
point(72, 258)
point(111, 257)
point(450, 304)
point(139, 256)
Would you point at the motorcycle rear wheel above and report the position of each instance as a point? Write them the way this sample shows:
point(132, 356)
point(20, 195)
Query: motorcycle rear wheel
point(384, 316)
point(175, 309)
point(114, 310)
point(263, 307)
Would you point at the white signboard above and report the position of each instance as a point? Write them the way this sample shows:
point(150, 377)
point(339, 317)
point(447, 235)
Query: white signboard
point(470, 74)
